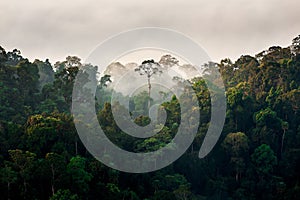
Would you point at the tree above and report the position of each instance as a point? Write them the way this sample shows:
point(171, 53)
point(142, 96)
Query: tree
point(141, 103)
point(264, 160)
point(8, 176)
point(67, 72)
point(42, 133)
point(236, 145)
point(14, 57)
point(168, 61)
point(46, 72)
point(56, 164)
point(227, 71)
point(149, 68)
point(150, 144)
point(130, 195)
point(170, 182)
point(70, 62)
point(79, 176)
point(296, 45)
point(268, 128)
point(211, 74)
point(65, 77)
point(239, 106)
point(284, 126)
point(18, 88)
point(245, 68)
point(104, 81)
point(183, 192)
point(28, 81)
point(24, 162)
point(203, 95)
point(162, 194)
point(64, 195)
point(3, 55)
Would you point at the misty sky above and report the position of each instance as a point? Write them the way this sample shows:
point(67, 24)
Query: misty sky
point(224, 28)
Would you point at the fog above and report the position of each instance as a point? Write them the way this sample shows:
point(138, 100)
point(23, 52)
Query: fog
point(55, 29)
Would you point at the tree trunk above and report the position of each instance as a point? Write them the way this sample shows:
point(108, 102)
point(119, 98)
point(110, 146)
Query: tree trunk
point(237, 176)
point(76, 144)
point(52, 184)
point(8, 187)
point(25, 188)
point(149, 93)
point(282, 141)
point(236, 122)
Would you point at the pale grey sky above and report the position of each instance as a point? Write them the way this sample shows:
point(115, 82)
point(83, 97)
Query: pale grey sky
point(224, 28)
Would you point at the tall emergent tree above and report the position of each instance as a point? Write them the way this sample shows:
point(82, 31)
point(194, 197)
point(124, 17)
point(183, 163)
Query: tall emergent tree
point(149, 68)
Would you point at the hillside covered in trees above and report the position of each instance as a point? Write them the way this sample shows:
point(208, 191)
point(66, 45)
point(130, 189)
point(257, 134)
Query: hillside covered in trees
point(256, 157)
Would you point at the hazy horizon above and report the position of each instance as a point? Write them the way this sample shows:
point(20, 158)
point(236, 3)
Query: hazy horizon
point(228, 29)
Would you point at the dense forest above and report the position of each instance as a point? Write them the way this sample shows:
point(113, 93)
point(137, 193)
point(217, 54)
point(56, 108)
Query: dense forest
point(256, 157)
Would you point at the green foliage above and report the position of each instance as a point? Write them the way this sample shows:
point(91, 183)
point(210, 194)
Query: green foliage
point(141, 104)
point(237, 146)
point(257, 157)
point(264, 159)
point(8, 177)
point(236, 143)
point(80, 177)
point(64, 195)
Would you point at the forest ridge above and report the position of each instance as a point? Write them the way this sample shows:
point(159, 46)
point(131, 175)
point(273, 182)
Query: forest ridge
point(256, 157)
